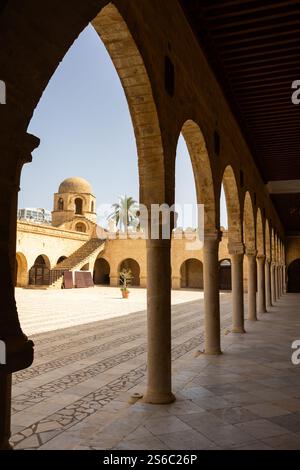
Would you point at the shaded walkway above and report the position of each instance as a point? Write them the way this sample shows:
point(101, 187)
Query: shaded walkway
point(76, 394)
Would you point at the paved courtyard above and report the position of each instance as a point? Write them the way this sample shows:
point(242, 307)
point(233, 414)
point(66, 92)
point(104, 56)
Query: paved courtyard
point(77, 394)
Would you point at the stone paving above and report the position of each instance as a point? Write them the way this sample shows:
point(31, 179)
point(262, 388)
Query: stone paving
point(77, 393)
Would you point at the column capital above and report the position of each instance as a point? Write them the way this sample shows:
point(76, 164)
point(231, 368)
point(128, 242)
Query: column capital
point(261, 257)
point(250, 252)
point(213, 235)
point(236, 248)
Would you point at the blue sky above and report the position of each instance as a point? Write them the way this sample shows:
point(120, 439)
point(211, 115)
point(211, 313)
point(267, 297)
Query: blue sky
point(85, 129)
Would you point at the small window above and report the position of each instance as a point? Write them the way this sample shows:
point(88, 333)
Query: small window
point(92, 206)
point(78, 206)
point(60, 204)
point(80, 227)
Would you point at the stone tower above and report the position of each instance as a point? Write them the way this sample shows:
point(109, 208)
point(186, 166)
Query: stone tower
point(74, 205)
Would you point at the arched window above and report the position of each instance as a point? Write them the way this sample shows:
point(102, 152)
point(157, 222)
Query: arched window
point(80, 227)
point(78, 206)
point(60, 204)
point(92, 206)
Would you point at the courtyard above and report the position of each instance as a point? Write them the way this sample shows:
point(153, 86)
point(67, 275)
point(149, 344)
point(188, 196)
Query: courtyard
point(79, 392)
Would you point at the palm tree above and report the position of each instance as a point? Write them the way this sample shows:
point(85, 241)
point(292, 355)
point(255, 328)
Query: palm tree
point(125, 213)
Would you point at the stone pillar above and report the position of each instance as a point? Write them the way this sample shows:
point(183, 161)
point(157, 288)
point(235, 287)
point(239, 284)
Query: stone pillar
point(143, 280)
point(268, 283)
point(114, 279)
point(211, 294)
point(261, 287)
point(273, 283)
point(252, 278)
point(276, 281)
point(176, 282)
point(19, 350)
point(159, 389)
point(284, 278)
point(236, 251)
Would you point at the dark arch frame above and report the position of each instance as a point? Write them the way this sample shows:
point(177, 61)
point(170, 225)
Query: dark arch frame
point(191, 274)
point(134, 266)
point(225, 274)
point(101, 273)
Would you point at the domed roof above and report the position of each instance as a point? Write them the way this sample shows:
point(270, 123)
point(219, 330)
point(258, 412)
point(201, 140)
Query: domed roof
point(75, 185)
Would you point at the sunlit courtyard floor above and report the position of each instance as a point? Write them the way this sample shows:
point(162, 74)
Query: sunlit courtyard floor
point(77, 393)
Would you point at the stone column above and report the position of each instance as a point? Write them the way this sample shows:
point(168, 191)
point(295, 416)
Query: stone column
point(236, 251)
point(276, 282)
point(251, 257)
point(261, 287)
point(211, 293)
point(114, 279)
point(19, 350)
point(268, 283)
point(284, 278)
point(159, 389)
point(273, 283)
point(279, 281)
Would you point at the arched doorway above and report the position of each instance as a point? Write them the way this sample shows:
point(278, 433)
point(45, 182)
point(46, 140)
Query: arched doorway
point(225, 274)
point(21, 270)
point(191, 273)
point(134, 267)
point(61, 259)
point(39, 274)
point(294, 276)
point(101, 272)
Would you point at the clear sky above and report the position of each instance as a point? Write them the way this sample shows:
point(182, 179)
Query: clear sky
point(85, 129)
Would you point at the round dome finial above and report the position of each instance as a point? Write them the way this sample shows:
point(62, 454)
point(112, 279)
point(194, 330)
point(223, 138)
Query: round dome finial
point(75, 185)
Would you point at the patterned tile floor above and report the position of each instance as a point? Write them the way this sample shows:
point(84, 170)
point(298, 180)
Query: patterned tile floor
point(77, 393)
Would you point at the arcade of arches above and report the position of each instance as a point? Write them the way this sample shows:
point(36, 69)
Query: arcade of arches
point(141, 37)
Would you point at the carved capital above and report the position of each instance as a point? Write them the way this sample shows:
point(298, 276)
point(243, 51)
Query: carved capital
point(236, 248)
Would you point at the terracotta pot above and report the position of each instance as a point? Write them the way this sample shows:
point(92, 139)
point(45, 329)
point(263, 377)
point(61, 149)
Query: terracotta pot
point(125, 294)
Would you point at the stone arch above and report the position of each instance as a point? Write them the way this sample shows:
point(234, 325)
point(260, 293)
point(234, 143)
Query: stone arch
point(294, 276)
point(248, 223)
point(129, 64)
point(260, 245)
point(233, 205)
point(133, 265)
point(191, 274)
point(273, 250)
point(61, 259)
point(39, 273)
point(268, 240)
point(225, 274)
point(101, 272)
point(80, 227)
point(197, 149)
point(21, 270)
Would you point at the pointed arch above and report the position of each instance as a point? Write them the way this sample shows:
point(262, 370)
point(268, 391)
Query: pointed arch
point(260, 244)
point(268, 240)
point(233, 205)
point(248, 223)
point(197, 149)
point(129, 64)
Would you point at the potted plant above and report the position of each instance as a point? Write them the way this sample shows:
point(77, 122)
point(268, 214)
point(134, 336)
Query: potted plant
point(125, 279)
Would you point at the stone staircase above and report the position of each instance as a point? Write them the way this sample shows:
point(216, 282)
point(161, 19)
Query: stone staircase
point(87, 252)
